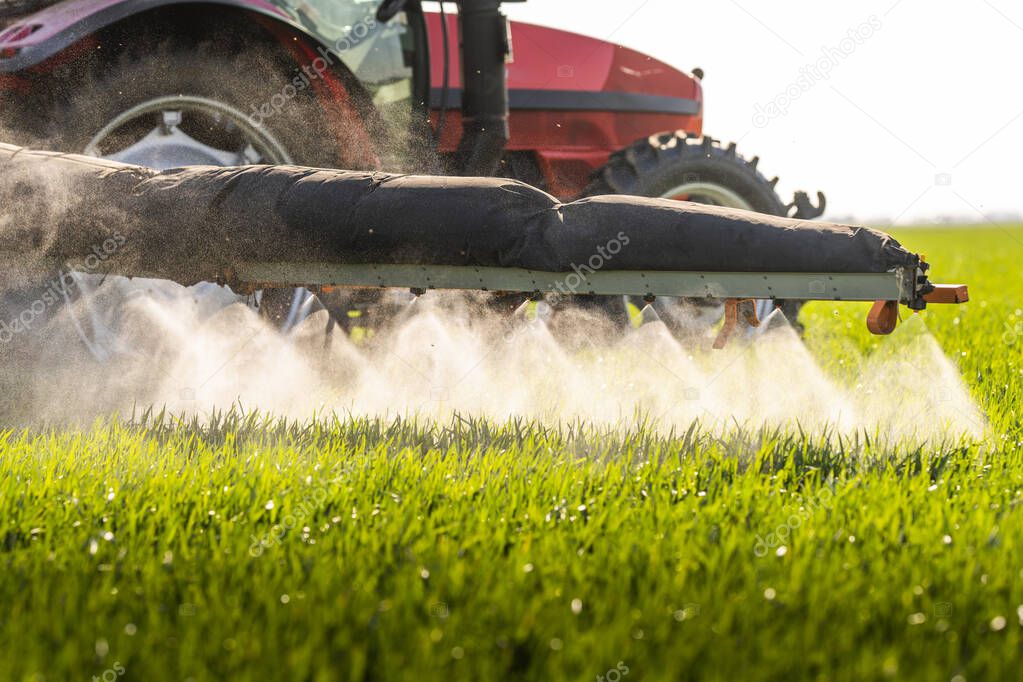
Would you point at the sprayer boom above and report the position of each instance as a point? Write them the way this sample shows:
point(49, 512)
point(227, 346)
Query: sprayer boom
point(260, 227)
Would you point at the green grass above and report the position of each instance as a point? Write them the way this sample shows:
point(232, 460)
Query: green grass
point(472, 550)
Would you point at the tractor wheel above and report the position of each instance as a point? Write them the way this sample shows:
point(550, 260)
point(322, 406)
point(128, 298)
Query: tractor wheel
point(697, 169)
point(182, 104)
point(179, 104)
point(676, 166)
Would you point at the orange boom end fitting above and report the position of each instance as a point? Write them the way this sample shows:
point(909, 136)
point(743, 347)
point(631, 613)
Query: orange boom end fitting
point(948, 293)
point(884, 315)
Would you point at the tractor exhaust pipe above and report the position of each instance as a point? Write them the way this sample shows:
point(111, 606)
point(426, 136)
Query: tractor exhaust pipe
point(485, 46)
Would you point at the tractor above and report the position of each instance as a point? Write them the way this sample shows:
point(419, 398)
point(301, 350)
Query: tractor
point(360, 84)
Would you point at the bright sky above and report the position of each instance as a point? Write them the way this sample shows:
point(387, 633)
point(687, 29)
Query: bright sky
point(919, 119)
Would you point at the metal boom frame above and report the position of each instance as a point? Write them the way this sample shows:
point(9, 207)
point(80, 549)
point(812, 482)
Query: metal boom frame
point(897, 285)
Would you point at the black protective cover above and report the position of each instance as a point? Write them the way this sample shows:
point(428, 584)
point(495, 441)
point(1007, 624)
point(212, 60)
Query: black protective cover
point(190, 224)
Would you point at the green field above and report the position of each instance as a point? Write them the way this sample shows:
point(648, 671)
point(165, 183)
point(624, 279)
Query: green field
point(252, 549)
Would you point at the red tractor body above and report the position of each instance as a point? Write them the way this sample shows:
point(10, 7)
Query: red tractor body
point(573, 100)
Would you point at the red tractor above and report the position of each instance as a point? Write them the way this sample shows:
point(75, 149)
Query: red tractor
point(359, 84)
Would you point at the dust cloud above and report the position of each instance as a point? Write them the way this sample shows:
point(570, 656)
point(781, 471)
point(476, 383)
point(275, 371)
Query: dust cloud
point(198, 349)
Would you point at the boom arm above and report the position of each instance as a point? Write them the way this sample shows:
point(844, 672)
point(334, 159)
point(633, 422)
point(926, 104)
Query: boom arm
point(264, 226)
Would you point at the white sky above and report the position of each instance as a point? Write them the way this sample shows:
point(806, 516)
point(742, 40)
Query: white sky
point(934, 91)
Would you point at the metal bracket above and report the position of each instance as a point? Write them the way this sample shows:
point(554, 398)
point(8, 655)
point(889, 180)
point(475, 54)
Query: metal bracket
point(736, 310)
point(883, 317)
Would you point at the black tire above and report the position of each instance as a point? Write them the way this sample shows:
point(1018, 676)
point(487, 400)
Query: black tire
point(240, 71)
point(654, 166)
